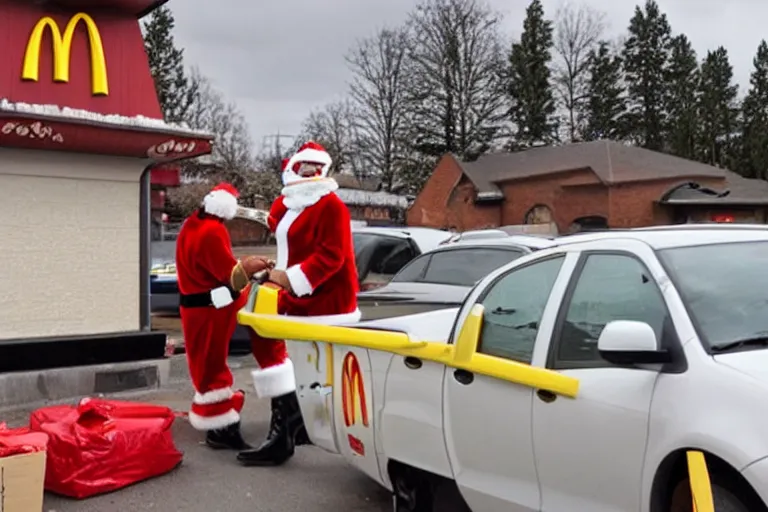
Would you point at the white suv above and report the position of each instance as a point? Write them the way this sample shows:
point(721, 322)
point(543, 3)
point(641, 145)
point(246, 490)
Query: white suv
point(598, 364)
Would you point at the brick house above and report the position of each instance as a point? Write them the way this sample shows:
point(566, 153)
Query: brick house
point(367, 202)
point(581, 186)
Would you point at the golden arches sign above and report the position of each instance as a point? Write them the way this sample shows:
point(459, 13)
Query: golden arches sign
point(62, 49)
point(353, 391)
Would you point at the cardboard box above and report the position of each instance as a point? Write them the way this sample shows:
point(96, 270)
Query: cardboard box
point(21, 482)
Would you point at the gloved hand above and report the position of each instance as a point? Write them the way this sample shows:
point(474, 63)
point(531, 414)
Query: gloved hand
point(255, 264)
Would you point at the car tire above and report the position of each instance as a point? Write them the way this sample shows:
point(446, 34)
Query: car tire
point(415, 491)
point(724, 493)
point(411, 493)
point(447, 498)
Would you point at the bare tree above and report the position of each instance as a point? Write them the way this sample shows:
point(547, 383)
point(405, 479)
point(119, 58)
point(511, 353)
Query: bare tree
point(233, 148)
point(333, 127)
point(378, 93)
point(455, 64)
point(578, 29)
point(232, 158)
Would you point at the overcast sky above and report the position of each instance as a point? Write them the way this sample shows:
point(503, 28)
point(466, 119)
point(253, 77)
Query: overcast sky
point(279, 59)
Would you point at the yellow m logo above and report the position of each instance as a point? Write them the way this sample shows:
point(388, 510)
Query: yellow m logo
point(62, 48)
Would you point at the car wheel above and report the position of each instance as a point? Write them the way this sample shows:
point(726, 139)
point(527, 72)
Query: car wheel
point(724, 498)
point(411, 494)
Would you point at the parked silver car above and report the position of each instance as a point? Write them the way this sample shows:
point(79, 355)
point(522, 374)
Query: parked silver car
point(442, 277)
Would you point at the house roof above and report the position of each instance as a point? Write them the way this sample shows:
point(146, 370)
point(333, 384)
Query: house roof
point(738, 190)
point(351, 181)
point(612, 162)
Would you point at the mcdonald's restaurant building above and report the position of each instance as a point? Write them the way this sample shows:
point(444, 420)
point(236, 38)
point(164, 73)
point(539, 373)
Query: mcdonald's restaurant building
point(81, 132)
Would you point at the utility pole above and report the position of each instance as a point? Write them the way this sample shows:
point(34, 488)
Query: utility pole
point(277, 136)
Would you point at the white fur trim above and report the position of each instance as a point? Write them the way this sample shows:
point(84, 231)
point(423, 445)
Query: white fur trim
point(213, 422)
point(299, 282)
point(274, 381)
point(220, 203)
point(307, 192)
point(281, 236)
point(213, 397)
point(344, 318)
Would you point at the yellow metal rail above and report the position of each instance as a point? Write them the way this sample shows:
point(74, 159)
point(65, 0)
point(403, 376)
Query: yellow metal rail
point(462, 355)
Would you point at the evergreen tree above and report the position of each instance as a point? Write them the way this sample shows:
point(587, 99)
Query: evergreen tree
point(646, 53)
point(166, 63)
point(754, 144)
point(530, 89)
point(606, 103)
point(718, 112)
point(683, 82)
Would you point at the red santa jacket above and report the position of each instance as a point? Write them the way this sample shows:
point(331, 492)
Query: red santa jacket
point(314, 247)
point(204, 258)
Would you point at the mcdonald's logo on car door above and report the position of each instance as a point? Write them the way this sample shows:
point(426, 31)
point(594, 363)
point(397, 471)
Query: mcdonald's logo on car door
point(62, 50)
point(353, 400)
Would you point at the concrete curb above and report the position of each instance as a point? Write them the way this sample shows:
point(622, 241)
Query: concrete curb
point(45, 386)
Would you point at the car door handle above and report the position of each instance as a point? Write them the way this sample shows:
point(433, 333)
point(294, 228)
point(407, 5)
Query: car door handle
point(414, 363)
point(463, 377)
point(546, 396)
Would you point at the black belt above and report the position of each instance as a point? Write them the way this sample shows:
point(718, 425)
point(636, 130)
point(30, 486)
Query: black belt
point(201, 300)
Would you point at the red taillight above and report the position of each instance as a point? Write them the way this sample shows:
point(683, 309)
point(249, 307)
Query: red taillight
point(723, 218)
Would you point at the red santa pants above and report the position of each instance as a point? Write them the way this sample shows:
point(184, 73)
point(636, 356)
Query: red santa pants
point(207, 332)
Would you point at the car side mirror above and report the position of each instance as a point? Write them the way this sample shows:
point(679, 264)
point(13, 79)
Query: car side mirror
point(627, 342)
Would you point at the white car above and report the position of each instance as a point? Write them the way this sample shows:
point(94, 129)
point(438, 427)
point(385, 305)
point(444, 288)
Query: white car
point(574, 379)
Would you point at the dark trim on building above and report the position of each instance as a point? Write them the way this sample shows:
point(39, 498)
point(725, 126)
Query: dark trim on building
point(145, 242)
point(156, 5)
point(30, 354)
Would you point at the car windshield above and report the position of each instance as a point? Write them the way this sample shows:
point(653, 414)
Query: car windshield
point(725, 287)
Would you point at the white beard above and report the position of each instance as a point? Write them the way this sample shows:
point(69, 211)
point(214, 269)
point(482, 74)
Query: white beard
point(299, 195)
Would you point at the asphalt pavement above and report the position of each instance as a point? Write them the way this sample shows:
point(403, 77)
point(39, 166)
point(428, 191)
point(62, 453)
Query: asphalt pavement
point(212, 481)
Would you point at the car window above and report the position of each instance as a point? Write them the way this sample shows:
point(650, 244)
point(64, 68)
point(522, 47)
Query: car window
point(413, 271)
point(610, 287)
point(379, 258)
point(464, 267)
point(514, 306)
point(724, 287)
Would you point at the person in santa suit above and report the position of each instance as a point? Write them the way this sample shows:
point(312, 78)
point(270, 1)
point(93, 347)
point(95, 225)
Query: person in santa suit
point(211, 281)
point(317, 277)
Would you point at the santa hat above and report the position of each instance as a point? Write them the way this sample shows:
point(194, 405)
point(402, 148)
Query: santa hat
point(310, 152)
point(221, 201)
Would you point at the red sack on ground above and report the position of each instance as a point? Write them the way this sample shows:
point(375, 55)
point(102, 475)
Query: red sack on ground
point(104, 445)
point(17, 441)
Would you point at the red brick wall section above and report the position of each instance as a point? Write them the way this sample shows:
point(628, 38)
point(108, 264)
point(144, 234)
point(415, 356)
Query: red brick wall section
point(246, 232)
point(462, 213)
point(370, 213)
point(567, 203)
point(430, 206)
point(634, 204)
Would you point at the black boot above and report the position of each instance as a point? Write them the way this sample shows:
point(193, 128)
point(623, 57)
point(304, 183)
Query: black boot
point(298, 429)
point(285, 433)
point(227, 438)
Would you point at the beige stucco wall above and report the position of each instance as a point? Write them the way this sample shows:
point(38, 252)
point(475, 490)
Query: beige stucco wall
point(69, 244)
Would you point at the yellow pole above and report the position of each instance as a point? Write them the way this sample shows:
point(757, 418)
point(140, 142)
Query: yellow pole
point(701, 487)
